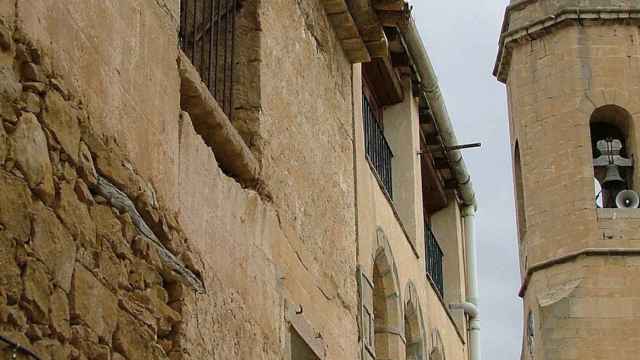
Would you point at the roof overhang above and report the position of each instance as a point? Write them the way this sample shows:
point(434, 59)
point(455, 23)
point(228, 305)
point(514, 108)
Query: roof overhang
point(359, 25)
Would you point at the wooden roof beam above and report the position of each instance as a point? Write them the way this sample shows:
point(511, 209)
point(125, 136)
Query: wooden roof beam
point(392, 5)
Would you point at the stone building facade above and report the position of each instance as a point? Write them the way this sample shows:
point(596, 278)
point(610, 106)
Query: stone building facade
point(195, 180)
point(571, 70)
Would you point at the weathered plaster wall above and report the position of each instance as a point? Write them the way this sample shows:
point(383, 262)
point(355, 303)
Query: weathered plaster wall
point(448, 228)
point(79, 280)
point(255, 252)
point(121, 56)
point(375, 213)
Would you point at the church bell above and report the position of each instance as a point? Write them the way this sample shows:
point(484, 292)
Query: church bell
point(613, 175)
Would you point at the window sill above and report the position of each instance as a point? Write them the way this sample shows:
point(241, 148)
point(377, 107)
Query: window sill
point(615, 213)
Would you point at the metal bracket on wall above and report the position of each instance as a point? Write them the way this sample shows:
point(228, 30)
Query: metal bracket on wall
point(452, 148)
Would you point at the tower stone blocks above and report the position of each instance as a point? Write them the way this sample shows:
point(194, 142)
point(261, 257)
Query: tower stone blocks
point(571, 68)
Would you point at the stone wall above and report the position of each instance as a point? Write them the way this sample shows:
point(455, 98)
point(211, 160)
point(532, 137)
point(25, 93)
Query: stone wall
point(555, 84)
point(115, 64)
point(584, 306)
point(80, 279)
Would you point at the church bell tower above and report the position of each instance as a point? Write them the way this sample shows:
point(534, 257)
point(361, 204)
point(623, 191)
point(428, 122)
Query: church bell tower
point(572, 70)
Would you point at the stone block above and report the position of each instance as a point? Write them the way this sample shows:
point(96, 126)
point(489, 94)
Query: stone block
point(53, 245)
point(132, 339)
point(37, 290)
point(59, 314)
point(10, 281)
point(32, 156)
point(62, 120)
point(75, 216)
point(93, 304)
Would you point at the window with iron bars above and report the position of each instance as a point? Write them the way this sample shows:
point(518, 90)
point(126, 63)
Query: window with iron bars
point(376, 146)
point(434, 260)
point(207, 37)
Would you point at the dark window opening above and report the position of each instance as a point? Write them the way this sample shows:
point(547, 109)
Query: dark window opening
point(434, 260)
point(300, 350)
point(612, 158)
point(207, 38)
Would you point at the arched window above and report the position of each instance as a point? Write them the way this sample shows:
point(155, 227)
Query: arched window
point(519, 192)
point(612, 151)
point(413, 325)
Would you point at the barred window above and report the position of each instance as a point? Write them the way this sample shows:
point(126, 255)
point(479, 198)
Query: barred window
point(207, 37)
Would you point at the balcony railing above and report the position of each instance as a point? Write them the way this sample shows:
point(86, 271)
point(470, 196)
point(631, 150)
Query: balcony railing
point(376, 146)
point(207, 38)
point(434, 260)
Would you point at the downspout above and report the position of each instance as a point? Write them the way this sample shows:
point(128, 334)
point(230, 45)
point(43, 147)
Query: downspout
point(431, 91)
point(468, 215)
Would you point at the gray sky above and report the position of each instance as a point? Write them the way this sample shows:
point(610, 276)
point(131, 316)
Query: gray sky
point(461, 38)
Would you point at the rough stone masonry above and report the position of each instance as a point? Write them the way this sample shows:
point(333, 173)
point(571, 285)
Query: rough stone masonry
point(81, 277)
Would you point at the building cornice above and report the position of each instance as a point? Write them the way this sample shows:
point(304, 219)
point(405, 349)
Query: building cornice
point(538, 27)
point(571, 257)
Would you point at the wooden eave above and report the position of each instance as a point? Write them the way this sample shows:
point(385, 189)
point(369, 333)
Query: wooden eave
point(389, 5)
point(359, 25)
point(384, 80)
point(370, 28)
point(434, 194)
point(346, 30)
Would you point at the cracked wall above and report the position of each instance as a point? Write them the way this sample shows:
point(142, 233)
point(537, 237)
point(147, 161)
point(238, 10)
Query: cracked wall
point(117, 61)
point(79, 279)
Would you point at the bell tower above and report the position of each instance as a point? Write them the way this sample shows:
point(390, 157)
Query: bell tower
point(572, 70)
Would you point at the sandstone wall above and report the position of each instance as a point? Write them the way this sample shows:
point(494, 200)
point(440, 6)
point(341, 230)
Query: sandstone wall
point(587, 308)
point(292, 242)
point(584, 308)
point(555, 83)
point(376, 214)
point(79, 279)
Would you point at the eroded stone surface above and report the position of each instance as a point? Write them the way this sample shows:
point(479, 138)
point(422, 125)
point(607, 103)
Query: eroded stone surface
point(37, 290)
point(93, 304)
point(32, 155)
point(75, 216)
point(53, 245)
point(62, 120)
point(16, 200)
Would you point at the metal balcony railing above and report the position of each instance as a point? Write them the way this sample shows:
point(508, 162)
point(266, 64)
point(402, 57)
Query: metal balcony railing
point(376, 146)
point(207, 38)
point(434, 260)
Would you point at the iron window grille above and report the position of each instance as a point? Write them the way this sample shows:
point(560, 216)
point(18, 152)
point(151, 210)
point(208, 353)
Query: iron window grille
point(207, 37)
point(434, 260)
point(376, 146)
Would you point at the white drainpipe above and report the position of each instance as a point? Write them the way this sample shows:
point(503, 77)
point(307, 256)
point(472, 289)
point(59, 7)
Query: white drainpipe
point(472, 282)
point(431, 91)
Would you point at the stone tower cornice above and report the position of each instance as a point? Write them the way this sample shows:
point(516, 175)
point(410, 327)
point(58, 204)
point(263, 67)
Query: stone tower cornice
point(530, 19)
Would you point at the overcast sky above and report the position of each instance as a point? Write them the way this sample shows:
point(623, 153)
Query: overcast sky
point(461, 38)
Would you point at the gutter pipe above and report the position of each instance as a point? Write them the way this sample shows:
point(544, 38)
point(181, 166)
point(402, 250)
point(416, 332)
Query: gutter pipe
point(431, 91)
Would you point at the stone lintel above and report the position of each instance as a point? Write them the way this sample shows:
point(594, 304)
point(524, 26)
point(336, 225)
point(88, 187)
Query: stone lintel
point(538, 17)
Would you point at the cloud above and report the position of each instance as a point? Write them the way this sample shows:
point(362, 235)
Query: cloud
point(461, 38)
